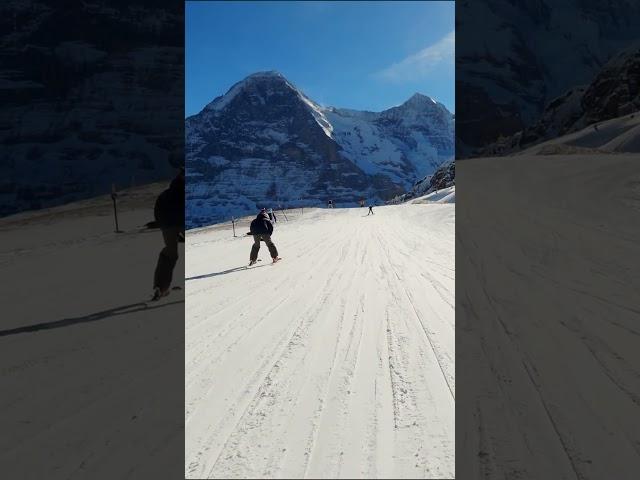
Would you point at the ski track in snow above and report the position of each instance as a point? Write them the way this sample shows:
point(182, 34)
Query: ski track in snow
point(336, 363)
point(546, 317)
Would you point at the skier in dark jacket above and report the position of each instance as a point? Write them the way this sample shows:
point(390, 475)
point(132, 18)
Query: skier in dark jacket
point(169, 214)
point(261, 228)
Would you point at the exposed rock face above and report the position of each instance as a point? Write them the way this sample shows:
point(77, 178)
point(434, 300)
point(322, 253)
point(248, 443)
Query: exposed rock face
point(614, 92)
point(82, 108)
point(265, 143)
point(514, 58)
point(443, 177)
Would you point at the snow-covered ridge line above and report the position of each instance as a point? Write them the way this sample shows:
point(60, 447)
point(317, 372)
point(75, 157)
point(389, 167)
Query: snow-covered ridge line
point(317, 112)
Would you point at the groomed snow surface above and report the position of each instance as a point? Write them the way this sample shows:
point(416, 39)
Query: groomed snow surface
point(444, 195)
point(79, 394)
point(337, 362)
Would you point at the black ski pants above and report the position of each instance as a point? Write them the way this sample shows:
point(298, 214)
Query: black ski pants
point(266, 238)
point(167, 259)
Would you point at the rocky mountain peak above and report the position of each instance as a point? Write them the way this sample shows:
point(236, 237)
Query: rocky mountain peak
point(418, 99)
point(420, 104)
point(254, 89)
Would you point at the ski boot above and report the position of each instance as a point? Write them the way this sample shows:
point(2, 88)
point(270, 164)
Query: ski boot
point(158, 294)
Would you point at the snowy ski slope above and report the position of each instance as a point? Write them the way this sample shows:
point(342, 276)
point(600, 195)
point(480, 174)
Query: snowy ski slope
point(546, 317)
point(74, 404)
point(338, 362)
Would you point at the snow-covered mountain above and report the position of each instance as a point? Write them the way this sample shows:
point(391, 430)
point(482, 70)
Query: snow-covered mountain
point(266, 143)
point(404, 142)
point(444, 177)
point(613, 93)
point(514, 58)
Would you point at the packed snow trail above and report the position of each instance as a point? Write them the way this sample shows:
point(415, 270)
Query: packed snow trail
point(73, 402)
point(338, 362)
point(547, 317)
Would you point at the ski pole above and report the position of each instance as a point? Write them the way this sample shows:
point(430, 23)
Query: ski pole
point(285, 215)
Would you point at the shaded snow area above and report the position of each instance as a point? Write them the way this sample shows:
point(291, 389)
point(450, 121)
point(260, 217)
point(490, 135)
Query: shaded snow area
point(618, 135)
point(337, 362)
point(550, 321)
point(74, 316)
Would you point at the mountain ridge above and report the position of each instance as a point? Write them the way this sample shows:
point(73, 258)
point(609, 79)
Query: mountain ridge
point(526, 57)
point(614, 92)
point(266, 141)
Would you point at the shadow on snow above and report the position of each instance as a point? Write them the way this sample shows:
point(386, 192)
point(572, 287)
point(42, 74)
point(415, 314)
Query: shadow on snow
point(112, 312)
point(224, 272)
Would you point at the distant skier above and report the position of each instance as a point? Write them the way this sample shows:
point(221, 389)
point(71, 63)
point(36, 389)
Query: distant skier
point(261, 228)
point(272, 216)
point(169, 215)
point(330, 204)
point(370, 210)
point(362, 202)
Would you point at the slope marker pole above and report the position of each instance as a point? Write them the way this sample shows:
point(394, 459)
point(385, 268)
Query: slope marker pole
point(285, 215)
point(115, 208)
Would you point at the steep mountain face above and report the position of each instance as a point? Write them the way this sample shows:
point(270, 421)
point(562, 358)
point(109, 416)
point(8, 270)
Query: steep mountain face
point(266, 143)
point(82, 108)
point(616, 89)
point(404, 142)
point(613, 93)
point(514, 58)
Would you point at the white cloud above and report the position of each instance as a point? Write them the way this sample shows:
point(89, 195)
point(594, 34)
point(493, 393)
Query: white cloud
point(418, 65)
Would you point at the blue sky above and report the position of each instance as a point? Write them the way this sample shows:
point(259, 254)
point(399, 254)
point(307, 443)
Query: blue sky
point(361, 55)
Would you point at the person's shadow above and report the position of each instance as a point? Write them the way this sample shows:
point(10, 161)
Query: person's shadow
point(224, 272)
point(112, 312)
